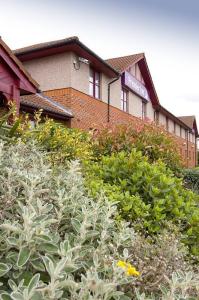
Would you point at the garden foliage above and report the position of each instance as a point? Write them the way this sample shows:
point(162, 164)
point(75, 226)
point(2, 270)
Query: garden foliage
point(147, 193)
point(152, 140)
point(57, 243)
point(191, 179)
point(62, 143)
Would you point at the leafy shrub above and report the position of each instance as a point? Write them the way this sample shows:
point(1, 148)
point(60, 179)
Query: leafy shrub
point(191, 179)
point(62, 143)
point(56, 243)
point(146, 192)
point(152, 140)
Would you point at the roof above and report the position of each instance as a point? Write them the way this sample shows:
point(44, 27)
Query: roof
point(45, 45)
point(188, 120)
point(71, 44)
point(18, 63)
point(124, 62)
point(40, 101)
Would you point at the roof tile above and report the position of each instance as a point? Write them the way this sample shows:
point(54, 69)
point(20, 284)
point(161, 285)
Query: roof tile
point(123, 62)
point(40, 101)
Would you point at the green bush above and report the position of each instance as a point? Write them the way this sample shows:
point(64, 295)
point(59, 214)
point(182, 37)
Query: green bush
point(152, 140)
point(61, 142)
point(191, 179)
point(58, 243)
point(147, 193)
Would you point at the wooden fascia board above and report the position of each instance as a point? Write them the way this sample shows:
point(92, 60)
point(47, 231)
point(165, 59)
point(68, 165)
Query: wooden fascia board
point(24, 82)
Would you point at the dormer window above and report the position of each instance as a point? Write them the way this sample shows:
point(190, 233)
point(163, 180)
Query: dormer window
point(94, 84)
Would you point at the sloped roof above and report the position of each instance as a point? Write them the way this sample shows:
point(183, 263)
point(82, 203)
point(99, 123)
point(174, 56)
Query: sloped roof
point(41, 46)
point(188, 120)
point(40, 101)
point(71, 44)
point(123, 62)
point(18, 63)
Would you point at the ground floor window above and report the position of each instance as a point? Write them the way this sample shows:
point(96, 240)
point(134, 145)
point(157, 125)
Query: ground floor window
point(124, 100)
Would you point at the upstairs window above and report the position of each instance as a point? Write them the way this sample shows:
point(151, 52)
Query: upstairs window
point(156, 117)
point(94, 84)
point(174, 128)
point(167, 123)
point(144, 111)
point(124, 100)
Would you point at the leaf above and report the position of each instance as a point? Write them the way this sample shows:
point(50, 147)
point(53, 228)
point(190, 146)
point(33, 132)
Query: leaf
point(76, 224)
point(48, 247)
point(3, 269)
point(33, 283)
point(12, 284)
point(38, 265)
point(23, 257)
point(48, 264)
point(17, 296)
point(5, 296)
point(14, 128)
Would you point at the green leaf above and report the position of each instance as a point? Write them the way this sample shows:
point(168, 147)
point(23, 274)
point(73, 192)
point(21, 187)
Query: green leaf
point(33, 283)
point(14, 128)
point(48, 247)
point(37, 265)
point(3, 269)
point(76, 224)
point(17, 296)
point(5, 296)
point(23, 257)
point(48, 264)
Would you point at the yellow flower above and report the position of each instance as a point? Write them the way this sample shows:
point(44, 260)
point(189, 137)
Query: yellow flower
point(121, 264)
point(128, 268)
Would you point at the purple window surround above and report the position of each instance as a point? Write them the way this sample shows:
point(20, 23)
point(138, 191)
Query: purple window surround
point(94, 84)
point(124, 100)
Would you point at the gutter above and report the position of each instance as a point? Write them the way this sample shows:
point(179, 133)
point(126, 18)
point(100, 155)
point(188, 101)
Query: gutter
point(109, 100)
point(59, 44)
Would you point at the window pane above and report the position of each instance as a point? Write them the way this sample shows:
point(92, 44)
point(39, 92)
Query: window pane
point(97, 78)
point(125, 106)
point(91, 77)
point(97, 92)
point(91, 90)
point(121, 104)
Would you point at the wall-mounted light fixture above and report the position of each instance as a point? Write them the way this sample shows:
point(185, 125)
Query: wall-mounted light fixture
point(77, 62)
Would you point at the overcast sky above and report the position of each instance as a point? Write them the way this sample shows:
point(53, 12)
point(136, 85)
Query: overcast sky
point(166, 30)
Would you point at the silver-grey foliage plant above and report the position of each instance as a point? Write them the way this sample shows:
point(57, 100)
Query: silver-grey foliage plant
point(55, 242)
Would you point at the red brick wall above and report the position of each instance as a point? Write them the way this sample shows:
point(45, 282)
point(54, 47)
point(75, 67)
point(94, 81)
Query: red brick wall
point(92, 113)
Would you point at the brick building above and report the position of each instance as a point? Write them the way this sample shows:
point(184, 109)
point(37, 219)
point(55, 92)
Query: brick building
point(86, 91)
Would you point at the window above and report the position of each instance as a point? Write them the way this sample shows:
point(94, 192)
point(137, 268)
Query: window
point(144, 111)
point(124, 100)
point(167, 123)
point(94, 84)
point(156, 117)
point(174, 128)
point(180, 131)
